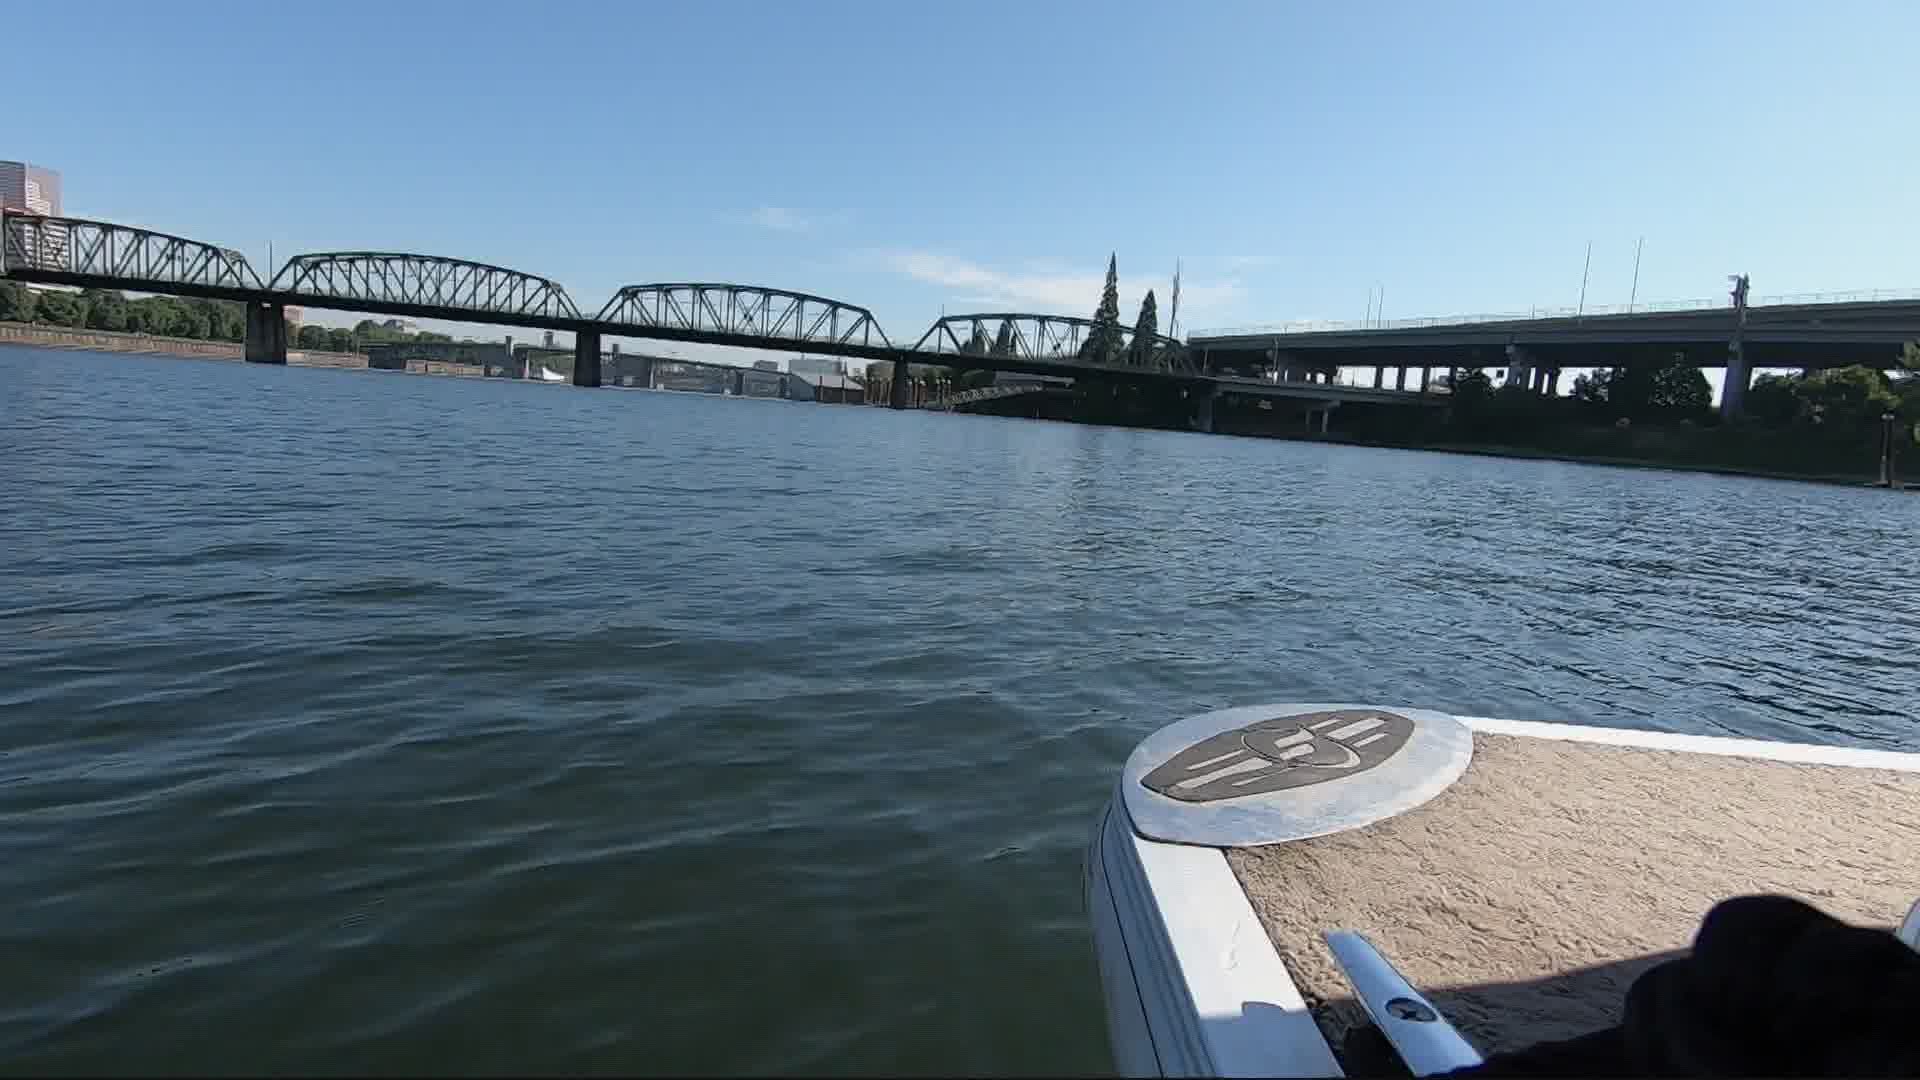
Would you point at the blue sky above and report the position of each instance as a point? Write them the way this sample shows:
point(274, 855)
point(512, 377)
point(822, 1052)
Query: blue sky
point(915, 156)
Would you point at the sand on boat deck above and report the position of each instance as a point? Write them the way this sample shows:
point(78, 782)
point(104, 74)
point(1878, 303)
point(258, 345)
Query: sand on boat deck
point(1526, 898)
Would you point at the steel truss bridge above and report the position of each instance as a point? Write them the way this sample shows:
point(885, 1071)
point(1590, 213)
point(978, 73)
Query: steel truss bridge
point(103, 255)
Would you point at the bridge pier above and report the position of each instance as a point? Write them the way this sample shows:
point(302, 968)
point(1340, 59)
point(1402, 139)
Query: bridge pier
point(1426, 376)
point(1519, 366)
point(586, 358)
point(1379, 376)
point(1733, 392)
point(266, 334)
point(1203, 412)
point(1400, 378)
point(897, 389)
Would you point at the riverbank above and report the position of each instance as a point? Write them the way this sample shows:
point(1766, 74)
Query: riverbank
point(1864, 478)
point(55, 337)
point(1690, 450)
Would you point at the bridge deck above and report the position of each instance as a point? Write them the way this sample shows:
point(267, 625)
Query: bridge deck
point(1793, 334)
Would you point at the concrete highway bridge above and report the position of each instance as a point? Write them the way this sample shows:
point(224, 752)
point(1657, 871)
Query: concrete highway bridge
point(1792, 333)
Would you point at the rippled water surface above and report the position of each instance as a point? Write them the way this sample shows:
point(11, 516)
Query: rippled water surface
point(362, 721)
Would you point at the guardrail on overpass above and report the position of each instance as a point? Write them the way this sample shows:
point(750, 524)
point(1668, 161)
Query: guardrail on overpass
point(1655, 307)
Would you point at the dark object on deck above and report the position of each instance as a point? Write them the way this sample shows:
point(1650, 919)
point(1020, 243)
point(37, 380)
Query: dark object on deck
point(1773, 987)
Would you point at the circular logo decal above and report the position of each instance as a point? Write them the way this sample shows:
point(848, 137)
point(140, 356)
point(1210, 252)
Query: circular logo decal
point(1281, 752)
point(1267, 774)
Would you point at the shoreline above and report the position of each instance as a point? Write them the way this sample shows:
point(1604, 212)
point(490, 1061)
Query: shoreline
point(113, 341)
point(33, 335)
point(1526, 453)
point(1863, 479)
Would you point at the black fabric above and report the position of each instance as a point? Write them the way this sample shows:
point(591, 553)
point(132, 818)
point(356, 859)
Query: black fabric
point(1773, 987)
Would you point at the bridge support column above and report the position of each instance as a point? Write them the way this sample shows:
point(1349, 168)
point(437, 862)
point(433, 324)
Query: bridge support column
point(1400, 378)
point(1203, 407)
point(898, 389)
point(1426, 376)
point(266, 334)
point(586, 358)
point(1379, 376)
point(1733, 393)
point(1519, 366)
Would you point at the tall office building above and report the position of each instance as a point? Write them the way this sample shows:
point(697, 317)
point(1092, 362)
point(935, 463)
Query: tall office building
point(814, 366)
point(29, 188)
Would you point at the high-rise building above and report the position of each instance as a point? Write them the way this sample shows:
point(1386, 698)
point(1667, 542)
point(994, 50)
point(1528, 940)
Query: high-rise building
point(29, 188)
point(816, 365)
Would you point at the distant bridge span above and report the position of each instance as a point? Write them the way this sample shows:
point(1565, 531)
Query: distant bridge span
point(103, 255)
point(353, 278)
point(750, 315)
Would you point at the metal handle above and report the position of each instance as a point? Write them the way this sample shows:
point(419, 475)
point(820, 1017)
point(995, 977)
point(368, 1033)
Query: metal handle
point(1412, 1026)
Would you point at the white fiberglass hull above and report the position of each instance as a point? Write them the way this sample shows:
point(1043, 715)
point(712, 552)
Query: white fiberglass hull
point(1193, 981)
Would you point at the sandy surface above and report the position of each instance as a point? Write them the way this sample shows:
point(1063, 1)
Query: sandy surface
point(1527, 897)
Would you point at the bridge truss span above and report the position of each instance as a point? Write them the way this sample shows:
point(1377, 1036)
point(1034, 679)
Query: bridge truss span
point(422, 281)
point(84, 252)
point(744, 311)
point(1051, 339)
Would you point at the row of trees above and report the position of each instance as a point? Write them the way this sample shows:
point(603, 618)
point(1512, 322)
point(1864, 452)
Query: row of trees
point(1675, 392)
point(102, 309)
point(171, 316)
point(1848, 398)
point(1827, 423)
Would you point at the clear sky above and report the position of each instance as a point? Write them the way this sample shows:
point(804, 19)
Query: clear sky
point(910, 156)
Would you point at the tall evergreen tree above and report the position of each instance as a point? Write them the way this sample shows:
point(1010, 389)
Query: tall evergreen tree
point(1104, 342)
point(1003, 341)
point(1145, 329)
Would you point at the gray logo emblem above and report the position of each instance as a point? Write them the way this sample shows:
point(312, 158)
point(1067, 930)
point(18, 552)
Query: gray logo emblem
point(1282, 753)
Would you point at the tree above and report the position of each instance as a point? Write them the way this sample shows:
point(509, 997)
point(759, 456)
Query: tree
point(1145, 329)
point(1591, 389)
point(226, 320)
point(1470, 383)
point(188, 320)
point(61, 309)
point(311, 337)
point(1774, 400)
point(106, 310)
point(1103, 343)
point(1847, 398)
point(340, 340)
point(1003, 341)
point(16, 302)
point(1679, 391)
point(1653, 388)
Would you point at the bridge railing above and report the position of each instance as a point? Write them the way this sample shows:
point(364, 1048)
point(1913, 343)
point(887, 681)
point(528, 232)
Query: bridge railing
point(1309, 326)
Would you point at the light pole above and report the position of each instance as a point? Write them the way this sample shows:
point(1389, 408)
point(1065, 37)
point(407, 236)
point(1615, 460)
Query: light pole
point(1886, 450)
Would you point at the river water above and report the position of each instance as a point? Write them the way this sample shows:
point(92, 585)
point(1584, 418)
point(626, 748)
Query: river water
point(359, 721)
